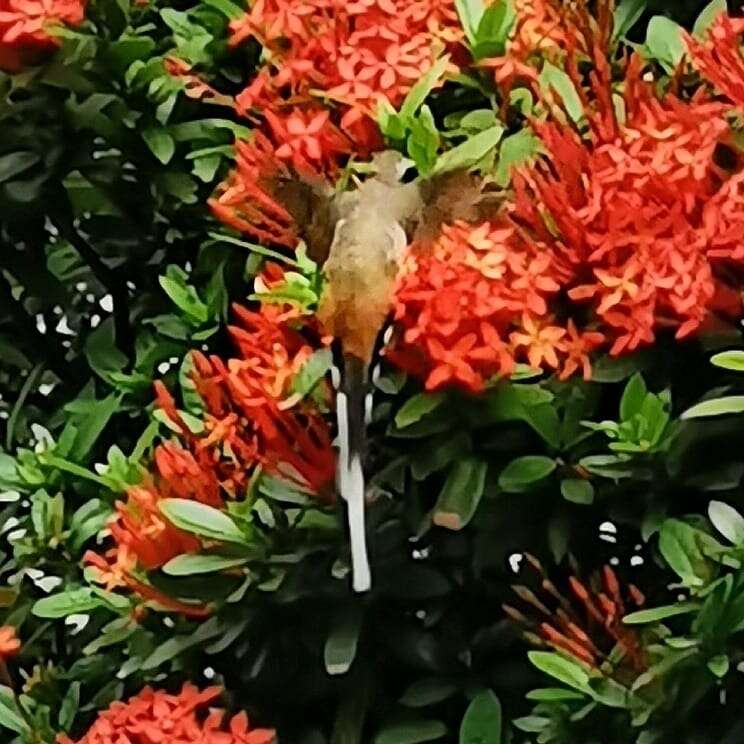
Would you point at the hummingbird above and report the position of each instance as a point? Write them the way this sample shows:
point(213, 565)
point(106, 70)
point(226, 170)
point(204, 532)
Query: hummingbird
point(360, 237)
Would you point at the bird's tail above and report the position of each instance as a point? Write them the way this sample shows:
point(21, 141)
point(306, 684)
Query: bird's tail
point(350, 414)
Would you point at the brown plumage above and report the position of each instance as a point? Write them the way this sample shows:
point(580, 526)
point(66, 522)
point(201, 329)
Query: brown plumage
point(360, 237)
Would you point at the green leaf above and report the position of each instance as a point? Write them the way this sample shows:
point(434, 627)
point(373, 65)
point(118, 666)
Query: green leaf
point(482, 721)
point(656, 614)
point(71, 602)
point(461, 494)
point(633, 398)
point(184, 295)
point(493, 29)
point(10, 716)
point(161, 144)
point(524, 471)
point(189, 565)
point(555, 78)
point(627, 14)
point(568, 672)
point(201, 519)
point(733, 360)
point(178, 644)
point(101, 351)
point(682, 545)
point(411, 733)
point(707, 16)
point(418, 94)
point(341, 644)
point(423, 141)
point(533, 724)
point(427, 691)
point(70, 704)
point(727, 521)
point(718, 407)
point(577, 491)
point(516, 150)
point(470, 13)
point(471, 151)
point(418, 406)
point(719, 666)
point(312, 372)
point(15, 163)
point(553, 694)
point(226, 7)
point(664, 42)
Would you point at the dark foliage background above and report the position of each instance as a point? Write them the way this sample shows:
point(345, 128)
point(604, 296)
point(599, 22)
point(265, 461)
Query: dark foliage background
point(105, 168)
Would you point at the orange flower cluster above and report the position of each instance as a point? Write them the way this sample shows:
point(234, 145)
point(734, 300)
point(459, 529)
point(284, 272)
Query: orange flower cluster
point(587, 624)
point(610, 238)
point(351, 53)
point(10, 644)
point(330, 64)
point(476, 302)
point(251, 419)
point(156, 717)
point(26, 28)
point(719, 59)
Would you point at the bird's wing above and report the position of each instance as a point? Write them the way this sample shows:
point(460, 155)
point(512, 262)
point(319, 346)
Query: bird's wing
point(311, 205)
point(456, 195)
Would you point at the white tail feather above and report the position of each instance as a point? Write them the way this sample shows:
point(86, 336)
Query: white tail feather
point(351, 488)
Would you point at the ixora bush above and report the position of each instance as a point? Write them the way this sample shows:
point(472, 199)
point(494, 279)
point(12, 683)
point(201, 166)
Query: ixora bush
point(554, 445)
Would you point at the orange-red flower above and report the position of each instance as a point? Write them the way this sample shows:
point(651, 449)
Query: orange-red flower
point(718, 58)
point(354, 54)
point(10, 644)
point(252, 418)
point(157, 717)
point(612, 237)
point(587, 622)
point(27, 28)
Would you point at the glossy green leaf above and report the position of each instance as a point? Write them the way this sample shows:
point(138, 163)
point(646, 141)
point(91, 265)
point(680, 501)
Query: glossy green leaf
point(161, 144)
point(428, 691)
point(664, 42)
point(341, 643)
point(627, 14)
point(657, 614)
point(717, 407)
point(461, 494)
point(411, 733)
point(418, 406)
point(201, 519)
point(560, 668)
point(525, 471)
point(708, 15)
point(728, 521)
point(470, 152)
point(14, 163)
point(482, 721)
point(190, 565)
point(71, 602)
point(554, 78)
point(577, 491)
point(733, 360)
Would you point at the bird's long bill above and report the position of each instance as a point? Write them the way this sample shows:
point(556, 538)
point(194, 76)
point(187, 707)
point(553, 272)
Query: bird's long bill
point(350, 477)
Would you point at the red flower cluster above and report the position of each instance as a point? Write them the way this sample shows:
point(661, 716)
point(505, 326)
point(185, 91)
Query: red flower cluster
point(587, 624)
point(611, 237)
point(10, 644)
point(251, 419)
point(719, 58)
point(26, 28)
point(330, 64)
point(156, 717)
point(352, 53)
point(476, 302)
